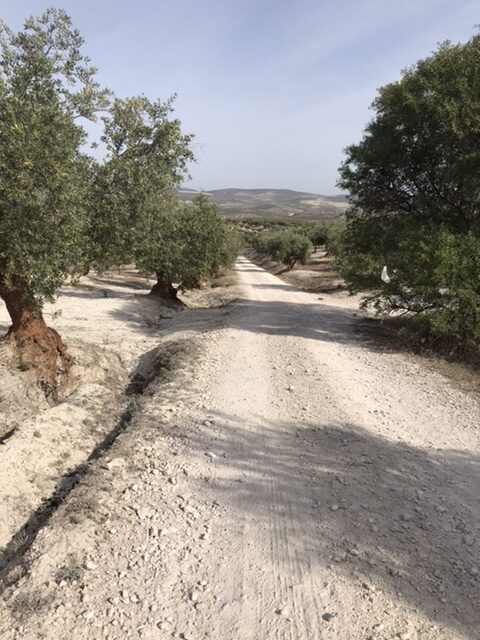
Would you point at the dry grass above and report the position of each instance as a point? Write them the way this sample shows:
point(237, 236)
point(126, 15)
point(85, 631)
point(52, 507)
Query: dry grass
point(466, 376)
point(86, 506)
point(24, 605)
point(71, 572)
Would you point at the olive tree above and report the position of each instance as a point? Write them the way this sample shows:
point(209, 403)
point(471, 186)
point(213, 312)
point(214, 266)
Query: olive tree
point(318, 235)
point(288, 247)
point(207, 243)
point(162, 250)
point(185, 244)
point(413, 183)
point(47, 86)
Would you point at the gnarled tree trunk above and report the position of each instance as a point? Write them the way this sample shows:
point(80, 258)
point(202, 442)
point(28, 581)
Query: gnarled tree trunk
point(164, 289)
point(37, 346)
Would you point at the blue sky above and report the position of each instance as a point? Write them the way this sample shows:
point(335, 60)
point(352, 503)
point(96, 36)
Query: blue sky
point(273, 89)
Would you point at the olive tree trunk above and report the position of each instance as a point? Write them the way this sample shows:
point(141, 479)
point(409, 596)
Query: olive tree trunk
point(38, 347)
point(164, 289)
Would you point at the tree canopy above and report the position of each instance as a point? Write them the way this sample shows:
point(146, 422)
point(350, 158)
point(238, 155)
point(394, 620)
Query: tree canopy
point(47, 86)
point(147, 157)
point(413, 184)
point(186, 243)
point(420, 156)
point(288, 247)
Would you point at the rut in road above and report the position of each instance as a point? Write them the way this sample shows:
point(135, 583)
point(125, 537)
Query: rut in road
point(313, 486)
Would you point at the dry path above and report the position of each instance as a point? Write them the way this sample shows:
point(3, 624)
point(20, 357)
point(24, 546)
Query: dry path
point(311, 487)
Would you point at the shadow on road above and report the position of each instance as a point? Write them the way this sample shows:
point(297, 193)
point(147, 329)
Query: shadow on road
point(276, 318)
point(405, 520)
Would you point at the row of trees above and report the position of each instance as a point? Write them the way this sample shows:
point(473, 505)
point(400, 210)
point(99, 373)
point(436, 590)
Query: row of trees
point(415, 190)
point(294, 242)
point(62, 211)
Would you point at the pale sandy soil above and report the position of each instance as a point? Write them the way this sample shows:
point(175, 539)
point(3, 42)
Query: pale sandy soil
point(317, 276)
point(309, 485)
point(109, 324)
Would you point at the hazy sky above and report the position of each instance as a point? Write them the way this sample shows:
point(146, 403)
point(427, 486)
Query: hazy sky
point(273, 89)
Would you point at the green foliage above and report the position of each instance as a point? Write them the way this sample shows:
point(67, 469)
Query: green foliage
point(413, 182)
point(457, 271)
point(261, 224)
point(46, 86)
point(334, 237)
point(284, 246)
point(61, 211)
point(187, 243)
point(161, 250)
point(318, 234)
point(206, 241)
point(234, 243)
point(147, 158)
point(420, 155)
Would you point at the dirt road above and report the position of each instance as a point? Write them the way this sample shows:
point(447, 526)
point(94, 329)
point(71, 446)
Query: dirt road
point(310, 486)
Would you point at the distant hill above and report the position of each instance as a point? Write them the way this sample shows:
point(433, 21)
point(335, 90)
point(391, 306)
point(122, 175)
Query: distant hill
point(273, 203)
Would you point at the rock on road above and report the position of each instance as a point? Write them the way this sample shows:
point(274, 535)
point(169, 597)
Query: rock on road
point(319, 487)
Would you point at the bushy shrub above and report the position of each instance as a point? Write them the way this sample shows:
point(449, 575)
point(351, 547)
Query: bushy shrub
point(457, 272)
point(208, 246)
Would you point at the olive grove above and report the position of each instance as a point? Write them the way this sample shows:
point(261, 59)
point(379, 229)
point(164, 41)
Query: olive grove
point(62, 211)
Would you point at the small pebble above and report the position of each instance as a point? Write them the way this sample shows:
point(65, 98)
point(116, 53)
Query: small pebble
point(195, 595)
